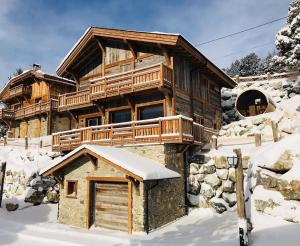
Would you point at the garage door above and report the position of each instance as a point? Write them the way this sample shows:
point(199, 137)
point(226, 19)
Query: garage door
point(111, 205)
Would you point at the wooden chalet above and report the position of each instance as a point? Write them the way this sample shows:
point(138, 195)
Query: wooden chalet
point(136, 87)
point(32, 104)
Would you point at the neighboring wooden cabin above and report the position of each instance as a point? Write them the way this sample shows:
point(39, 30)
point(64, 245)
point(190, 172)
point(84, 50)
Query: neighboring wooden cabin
point(118, 189)
point(32, 102)
point(128, 76)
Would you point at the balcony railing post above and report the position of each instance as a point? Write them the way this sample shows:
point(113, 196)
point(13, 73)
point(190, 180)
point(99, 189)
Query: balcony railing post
point(161, 74)
point(160, 130)
point(180, 128)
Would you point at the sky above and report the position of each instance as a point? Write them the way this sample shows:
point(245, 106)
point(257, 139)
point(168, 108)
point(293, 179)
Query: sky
point(43, 31)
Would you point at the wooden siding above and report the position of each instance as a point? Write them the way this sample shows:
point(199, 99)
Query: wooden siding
point(111, 205)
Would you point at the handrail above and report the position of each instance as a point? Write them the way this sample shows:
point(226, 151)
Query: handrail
point(173, 129)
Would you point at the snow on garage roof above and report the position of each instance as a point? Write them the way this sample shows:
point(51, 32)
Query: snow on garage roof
point(142, 167)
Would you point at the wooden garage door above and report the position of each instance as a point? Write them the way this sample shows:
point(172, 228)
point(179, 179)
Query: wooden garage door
point(111, 205)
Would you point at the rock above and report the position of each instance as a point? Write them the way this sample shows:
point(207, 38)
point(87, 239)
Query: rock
point(286, 126)
point(9, 179)
point(30, 156)
point(218, 204)
point(35, 197)
point(283, 164)
point(290, 191)
point(11, 206)
point(245, 161)
point(52, 196)
point(291, 95)
point(207, 191)
point(194, 168)
point(198, 200)
point(199, 177)
point(276, 84)
point(226, 94)
point(20, 190)
point(208, 168)
point(261, 205)
point(222, 173)
point(221, 162)
point(230, 198)
point(219, 192)
point(267, 179)
point(212, 180)
point(193, 185)
point(231, 174)
point(228, 186)
point(227, 104)
point(258, 120)
point(298, 109)
point(296, 89)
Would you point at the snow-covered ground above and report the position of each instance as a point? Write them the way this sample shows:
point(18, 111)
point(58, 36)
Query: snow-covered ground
point(38, 226)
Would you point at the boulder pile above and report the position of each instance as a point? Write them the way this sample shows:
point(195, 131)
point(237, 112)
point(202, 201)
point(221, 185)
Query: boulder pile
point(211, 183)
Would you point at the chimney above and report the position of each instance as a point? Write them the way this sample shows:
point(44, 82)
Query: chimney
point(36, 67)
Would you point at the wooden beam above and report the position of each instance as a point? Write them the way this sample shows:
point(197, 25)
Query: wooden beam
point(165, 53)
point(131, 48)
point(59, 180)
point(74, 118)
point(103, 51)
point(101, 109)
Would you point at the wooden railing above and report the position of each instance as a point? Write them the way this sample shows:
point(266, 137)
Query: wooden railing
point(174, 129)
point(36, 108)
point(122, 83)
point(7, 114)
point(131, 81)
point(74, 99)
point(18, 90)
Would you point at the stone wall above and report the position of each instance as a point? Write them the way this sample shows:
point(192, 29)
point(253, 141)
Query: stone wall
point(166, 198)
point(211, 182)
point(60, 123)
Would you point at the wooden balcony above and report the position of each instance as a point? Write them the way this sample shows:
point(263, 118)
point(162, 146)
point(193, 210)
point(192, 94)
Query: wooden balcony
point(74, 100)
point(7, 114)
point(141, 79)
point(174, 129)
point(36, 109)
point(150, 77)
point(17, 91)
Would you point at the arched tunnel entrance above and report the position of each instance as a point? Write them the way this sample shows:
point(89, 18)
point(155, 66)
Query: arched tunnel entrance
point(253, 102)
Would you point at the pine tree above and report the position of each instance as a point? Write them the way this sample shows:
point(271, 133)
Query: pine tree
point(288, 41)
point(250, 65)
point(234, 69)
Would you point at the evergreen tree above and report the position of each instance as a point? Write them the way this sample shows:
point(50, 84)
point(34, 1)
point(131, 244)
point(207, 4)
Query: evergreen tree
point(288, 41)
point(250, 65)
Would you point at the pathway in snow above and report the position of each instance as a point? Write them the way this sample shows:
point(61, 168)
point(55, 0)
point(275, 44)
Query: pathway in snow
point(37, 226)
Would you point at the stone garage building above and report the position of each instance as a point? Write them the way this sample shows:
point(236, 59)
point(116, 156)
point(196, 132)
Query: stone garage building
point(115, 188)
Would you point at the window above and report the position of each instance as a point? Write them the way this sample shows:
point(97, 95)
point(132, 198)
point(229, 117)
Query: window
point(151, 112)
point(72, 188)
point(120, 116)
point(93, 121)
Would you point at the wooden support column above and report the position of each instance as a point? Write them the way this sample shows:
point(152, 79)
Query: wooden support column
point(26, 142)
point(275, 131)
point(103, 51)
point(257, 139)
point(214, 142)
point(241, 209)
point(74, 118)
point(131, 103)
point(166, 54)
point(132, 50)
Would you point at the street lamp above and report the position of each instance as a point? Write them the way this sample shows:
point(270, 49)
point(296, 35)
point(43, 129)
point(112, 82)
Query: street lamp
point(232, 161)
point(236, 162)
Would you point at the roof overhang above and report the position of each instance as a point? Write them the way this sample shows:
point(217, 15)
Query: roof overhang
point(173, 40)
point(136, 166)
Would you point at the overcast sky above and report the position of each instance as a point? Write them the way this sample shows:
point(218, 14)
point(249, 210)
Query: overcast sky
point(43, 31)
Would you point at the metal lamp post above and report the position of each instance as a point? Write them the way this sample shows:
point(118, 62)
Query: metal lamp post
point(236, 162)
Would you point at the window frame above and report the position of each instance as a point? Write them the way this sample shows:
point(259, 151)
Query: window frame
point(75, 188)
point(149, 104)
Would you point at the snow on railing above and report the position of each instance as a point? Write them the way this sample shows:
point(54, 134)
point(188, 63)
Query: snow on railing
point(267, 76)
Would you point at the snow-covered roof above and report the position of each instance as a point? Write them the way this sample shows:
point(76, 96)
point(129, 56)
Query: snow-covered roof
point(140, 166)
